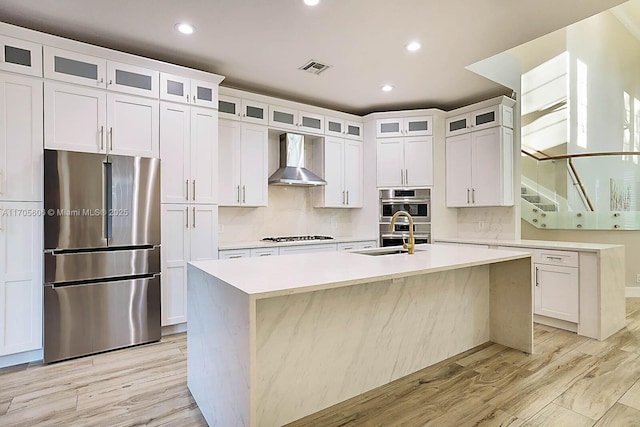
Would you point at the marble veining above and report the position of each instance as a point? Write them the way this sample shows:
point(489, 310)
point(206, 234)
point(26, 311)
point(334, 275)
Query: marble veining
point(497, 223)
point(334, 344)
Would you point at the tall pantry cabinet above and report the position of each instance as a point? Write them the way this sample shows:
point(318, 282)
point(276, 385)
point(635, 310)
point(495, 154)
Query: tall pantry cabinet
point(21, 199)
point(189, 155)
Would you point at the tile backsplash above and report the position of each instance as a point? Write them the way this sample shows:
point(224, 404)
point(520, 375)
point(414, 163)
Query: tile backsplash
point(290, 212)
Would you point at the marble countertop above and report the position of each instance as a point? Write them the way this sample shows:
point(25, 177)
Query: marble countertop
point(536, 244)
point(267, 244)
point(264, 277)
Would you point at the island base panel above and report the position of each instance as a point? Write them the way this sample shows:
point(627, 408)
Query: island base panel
point(317, 349)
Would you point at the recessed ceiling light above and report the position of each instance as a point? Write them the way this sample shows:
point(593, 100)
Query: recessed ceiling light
point(387, 88)
point(311, 2)
point(413, 46)
point(185, 28)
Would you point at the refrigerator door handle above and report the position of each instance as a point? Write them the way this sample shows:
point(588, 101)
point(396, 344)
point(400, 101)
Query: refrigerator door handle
point(108, 200)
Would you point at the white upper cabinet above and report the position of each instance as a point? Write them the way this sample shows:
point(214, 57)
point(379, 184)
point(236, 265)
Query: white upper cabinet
point(343, 128)
point(243, 109)
point(339, 162)
point(479, 168)
point(94, 121)
point(20, 56)
point(75, 118)
point(407, 126)
point(405, 162)
point(134, 125)
point(188, 149)
point(134, 80)
point(204, 155)
point(496, 115)
point(242, 166)
point(21, 134)
point(188, 91)
point(290, 119)
point(73, 67)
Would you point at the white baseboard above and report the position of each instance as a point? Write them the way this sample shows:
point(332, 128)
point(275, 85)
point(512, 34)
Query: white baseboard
point(632, 291)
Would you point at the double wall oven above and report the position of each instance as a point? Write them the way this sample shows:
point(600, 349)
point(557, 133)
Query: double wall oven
point(415, 201)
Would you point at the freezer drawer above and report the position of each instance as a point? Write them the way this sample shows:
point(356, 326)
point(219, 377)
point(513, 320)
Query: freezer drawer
point(85, 319)
point(76, 266)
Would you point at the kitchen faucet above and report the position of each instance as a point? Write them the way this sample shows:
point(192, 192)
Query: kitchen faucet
point(412, 243)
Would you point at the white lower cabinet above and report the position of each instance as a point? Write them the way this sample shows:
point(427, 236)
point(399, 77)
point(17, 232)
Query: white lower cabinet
point(557, 286)
point(21, 229)
point(306, 249)
point(189, 233)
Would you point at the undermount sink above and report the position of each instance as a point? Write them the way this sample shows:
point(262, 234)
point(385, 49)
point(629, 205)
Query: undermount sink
point(386, 251)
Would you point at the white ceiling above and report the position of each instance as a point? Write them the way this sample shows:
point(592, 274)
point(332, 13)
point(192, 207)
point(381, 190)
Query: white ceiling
point(259, 44)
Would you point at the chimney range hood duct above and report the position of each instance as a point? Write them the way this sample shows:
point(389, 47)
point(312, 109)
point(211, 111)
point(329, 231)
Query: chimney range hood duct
point(292, 170)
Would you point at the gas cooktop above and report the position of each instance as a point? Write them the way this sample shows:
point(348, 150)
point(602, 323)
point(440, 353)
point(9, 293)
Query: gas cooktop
point(280, 239)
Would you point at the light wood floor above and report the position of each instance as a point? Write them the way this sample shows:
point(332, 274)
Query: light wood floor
point(570, 381)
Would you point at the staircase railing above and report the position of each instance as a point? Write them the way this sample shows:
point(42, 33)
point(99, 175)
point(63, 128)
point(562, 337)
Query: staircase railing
point(539, 210)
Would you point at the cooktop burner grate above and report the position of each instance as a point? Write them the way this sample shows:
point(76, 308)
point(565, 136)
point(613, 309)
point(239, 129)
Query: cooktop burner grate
point(280, 239)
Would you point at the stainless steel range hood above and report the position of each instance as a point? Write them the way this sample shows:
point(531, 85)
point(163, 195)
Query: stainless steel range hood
point(292, 170)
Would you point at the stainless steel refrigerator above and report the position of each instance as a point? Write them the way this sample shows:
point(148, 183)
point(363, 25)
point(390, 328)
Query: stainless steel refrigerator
point(101, 253)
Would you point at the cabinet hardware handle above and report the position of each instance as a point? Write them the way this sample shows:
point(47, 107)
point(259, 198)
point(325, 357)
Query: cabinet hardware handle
point(244, 115)
point(110, 139)
point(402, 176)
point(193, 99)
point(557, 258)
point(187, 185)
point(343, 197)
point(235, 256)
point(102, 137)
point(101, 79)
point(194, 217)
point(186, 211)
point(468, 191)
point(537, 283)
point(187, 98)
point(244, 194)
point(110, 82)
point(238, 193)
point(406, 176)
point(193, 194)
point(347, 197)
point(473, 195)
point(265, 254)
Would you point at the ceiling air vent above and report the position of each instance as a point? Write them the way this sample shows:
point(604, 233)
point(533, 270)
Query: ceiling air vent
point(314, 67)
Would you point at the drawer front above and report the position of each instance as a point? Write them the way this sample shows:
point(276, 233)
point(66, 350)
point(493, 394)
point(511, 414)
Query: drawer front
point(256, 252)
point(234, 253)
point(553, 257)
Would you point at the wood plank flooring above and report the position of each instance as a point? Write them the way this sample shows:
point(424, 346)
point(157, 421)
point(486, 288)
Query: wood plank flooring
point(569, 381)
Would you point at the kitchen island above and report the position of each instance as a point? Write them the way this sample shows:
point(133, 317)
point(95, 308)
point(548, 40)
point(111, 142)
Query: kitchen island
point(274, 339)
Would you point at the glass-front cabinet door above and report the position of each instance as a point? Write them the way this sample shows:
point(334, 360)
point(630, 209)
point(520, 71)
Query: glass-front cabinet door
point(255, 112)
point(334, 126)
point(353, 130)
point(229, 107)
point(204, 94)
point(131, 79)
point(389, 127)
point(458, 125)
point(418, 126)
point(74, 67)
point(311, 122)
point(282, 117)
point(19, 56)
point(175, 88)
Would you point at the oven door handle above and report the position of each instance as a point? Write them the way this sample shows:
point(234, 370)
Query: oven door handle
point(404, 201)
